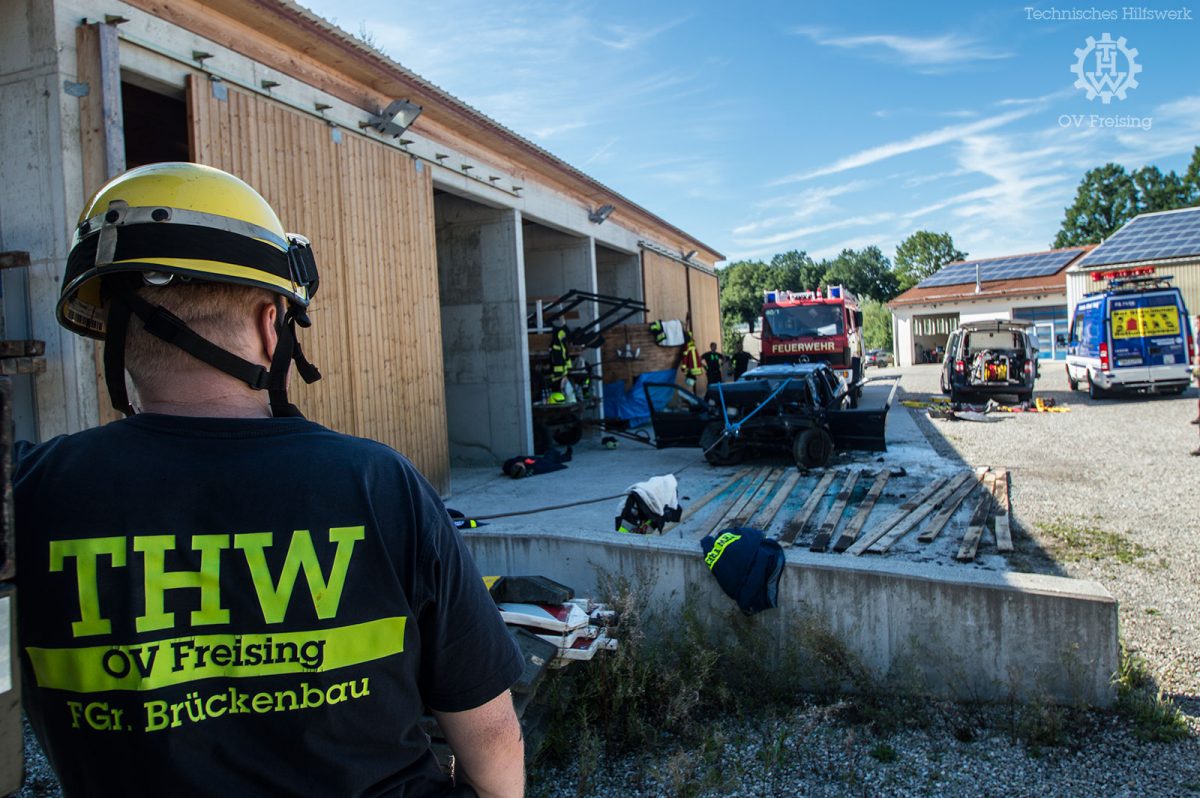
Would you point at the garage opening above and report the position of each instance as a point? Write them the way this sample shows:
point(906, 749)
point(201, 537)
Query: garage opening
point(618, 273)
point(929, 334)
point(156, 126)
point(484, 350)
point(555, 264)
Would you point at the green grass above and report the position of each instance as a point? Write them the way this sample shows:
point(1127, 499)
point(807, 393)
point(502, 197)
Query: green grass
point(1154, 716)
point(1074, 541)
point(884, 753)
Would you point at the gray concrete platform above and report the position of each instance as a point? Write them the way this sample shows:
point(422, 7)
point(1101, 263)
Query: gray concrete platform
point(976, 631)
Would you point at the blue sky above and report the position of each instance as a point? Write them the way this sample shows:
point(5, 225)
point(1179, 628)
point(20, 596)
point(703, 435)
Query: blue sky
point(767, 126)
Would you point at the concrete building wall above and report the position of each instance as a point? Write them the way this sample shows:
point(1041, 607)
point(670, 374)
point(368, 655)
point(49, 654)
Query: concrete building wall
point(976, 635)
point(40, 161)
point(968, 310)
point(618, 274)
point(484, 344)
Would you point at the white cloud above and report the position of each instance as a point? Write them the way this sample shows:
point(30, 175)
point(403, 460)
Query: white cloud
point(933, 138)
point(626, 37)
point(928, 52)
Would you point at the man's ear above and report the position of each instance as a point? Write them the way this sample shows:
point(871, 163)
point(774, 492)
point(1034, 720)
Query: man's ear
point(265, 317)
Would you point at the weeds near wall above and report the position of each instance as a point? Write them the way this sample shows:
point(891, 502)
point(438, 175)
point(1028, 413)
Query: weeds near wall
point(1154, 716)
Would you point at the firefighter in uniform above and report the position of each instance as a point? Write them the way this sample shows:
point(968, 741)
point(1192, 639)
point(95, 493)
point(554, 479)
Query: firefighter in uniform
point(169, 644)
point(690, 365)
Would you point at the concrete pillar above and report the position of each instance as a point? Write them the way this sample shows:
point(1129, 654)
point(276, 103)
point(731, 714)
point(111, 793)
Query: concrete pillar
point(40, 161)
point(485, 349)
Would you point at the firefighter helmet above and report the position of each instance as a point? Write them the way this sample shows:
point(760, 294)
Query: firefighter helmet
point(167, 221)
point(181, 220)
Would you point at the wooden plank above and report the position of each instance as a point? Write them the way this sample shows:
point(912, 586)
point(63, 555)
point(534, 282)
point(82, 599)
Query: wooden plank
point(743, 512)
point(22, 365)
point(797, 524)
point(13, 260)
point(373, 235)
point(738, 507)
point(666, 288)
point(918, 515)
point(22, 348)
point(1000, 515)
point(949, 507)
point(978, 523)
point(702, 502)
point(740, 487)
point(102, 142)
point(832, 518)
point(766, 516)
point(863, 543)
point(850, 533)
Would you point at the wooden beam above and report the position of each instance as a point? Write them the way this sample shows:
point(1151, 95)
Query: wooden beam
point(797, 524)
point(949, 507)
point(22, 348)
point(744, 482)
point(769, 512)
point(864, 511)
point(13, 260)
point(978, 523)
point(909, 506)
point(703, 501)
point(101, 139)
point(918, 515)
point(22, 365)
point(832, 518)
point(1001, 515)
point(734, 511)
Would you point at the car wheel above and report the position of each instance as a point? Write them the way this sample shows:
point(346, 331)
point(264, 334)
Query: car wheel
point(721, 449)
point(1072, 383)
point(1094, 390)
point(812, 448)
point(957, 397)
point(942, 384)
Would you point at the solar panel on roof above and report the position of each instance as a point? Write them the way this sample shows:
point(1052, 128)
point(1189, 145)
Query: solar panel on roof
point(1175, 234)
point(1040, 264)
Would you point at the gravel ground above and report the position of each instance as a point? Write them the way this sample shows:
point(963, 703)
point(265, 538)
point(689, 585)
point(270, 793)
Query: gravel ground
point(1107, 492)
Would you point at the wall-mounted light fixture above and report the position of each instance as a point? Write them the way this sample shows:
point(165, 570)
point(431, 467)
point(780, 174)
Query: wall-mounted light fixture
point(691, 254)
point(395, 119)
point(599, 215)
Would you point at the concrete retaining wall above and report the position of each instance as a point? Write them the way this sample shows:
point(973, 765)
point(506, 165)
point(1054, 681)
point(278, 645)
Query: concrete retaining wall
point(955, 631)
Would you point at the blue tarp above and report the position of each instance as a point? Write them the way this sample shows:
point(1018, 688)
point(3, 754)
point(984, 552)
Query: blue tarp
point(631, 404)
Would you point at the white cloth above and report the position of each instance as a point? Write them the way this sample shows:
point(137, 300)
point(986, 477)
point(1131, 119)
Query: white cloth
point(659, 493)
point(673, 330)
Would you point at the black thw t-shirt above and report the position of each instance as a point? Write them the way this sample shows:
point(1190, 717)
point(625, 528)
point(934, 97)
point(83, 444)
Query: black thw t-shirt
point(249, 607)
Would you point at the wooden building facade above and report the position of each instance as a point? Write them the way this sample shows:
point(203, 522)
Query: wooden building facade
point(429, 243)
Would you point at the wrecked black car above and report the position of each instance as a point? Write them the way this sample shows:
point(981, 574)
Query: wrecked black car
point(800, 408)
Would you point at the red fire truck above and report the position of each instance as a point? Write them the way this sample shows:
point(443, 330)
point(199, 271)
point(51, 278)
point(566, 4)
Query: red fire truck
point(811, 326)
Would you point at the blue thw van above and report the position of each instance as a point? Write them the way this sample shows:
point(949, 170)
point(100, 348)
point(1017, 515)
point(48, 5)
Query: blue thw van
point(1133, 336)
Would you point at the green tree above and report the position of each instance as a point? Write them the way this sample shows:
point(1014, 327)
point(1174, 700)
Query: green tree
point(1159, 192)
point(865, 272)
point(794, 270)
point(922, 254)
point(1191, 179)
point(877, 325)
point(741, 285)
point(1107, 198)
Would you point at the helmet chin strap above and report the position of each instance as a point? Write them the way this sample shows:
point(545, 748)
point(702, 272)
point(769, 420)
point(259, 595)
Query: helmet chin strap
point(287, 349)
point(164, 324)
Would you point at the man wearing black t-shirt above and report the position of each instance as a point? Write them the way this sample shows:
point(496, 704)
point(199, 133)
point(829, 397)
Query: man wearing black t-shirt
point(712, 364)
point(220, 597)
